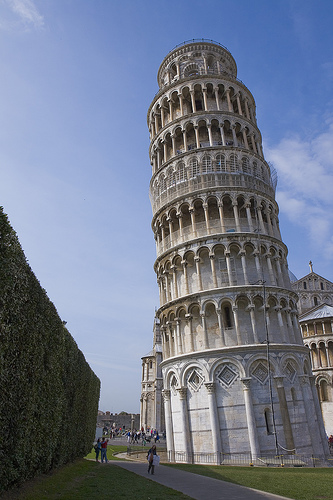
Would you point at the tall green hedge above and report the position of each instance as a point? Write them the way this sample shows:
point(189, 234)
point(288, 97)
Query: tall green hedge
point(48, 393)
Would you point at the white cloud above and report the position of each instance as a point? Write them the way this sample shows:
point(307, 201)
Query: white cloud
point(27, 14)
point(305, 188)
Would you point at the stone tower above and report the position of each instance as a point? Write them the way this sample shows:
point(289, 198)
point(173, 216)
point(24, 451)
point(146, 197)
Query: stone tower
point(226, 304)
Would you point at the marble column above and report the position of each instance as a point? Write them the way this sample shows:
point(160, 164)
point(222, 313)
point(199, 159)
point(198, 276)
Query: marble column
point(288, 434)
point(166, 394)
point(214, 421)
point(187, 441)
point(250, 417)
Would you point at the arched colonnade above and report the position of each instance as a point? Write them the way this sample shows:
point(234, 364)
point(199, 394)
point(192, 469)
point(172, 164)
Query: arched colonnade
point(220, 266)
point(200, 96)
point(228, 321)
point(203, 133)
point(225, 213)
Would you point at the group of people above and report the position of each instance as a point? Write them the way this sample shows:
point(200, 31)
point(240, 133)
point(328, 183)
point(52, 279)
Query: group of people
point(101, 448)
point(134, 437)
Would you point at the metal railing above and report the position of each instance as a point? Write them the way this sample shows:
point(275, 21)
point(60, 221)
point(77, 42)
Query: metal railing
point(246, 459)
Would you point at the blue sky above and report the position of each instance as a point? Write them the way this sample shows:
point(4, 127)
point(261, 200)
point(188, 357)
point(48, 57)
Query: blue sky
point(77, 78)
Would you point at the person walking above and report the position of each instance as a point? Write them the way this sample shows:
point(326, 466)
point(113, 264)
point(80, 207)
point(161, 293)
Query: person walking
point(97, 448)
point(104, 446)
point(150, 457)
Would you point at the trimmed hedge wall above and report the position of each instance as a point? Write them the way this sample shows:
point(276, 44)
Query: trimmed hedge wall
point(48, 393)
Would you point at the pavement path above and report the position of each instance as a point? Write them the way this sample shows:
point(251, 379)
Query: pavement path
point(194, 485)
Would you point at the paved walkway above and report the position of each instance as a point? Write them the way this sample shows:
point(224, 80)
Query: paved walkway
point(194, 485)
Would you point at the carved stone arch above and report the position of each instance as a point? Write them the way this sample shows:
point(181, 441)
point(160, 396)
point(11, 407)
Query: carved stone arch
point(189, 254)
point(263, 249)
point(162, 319)
point(164, 100)
point(201, 249)
point(248, 247)
point(185, 214)
point(211, 198)
point(202, 124)
point(226, 372)
point(324, 387)
point(171, 213)
point(176, 261)
point(283, 303)
point(232, 90)
point(234, 245)
point(216, 131)
point(175, 128)
point(290, 367)
point(207, 302)
point(190, 123)
point(228, 211)
point(193, 375)
point(258, 300)
point(184, 88)
point(292, 304)
point(160, 270)
point(181, 311)
point(199, 211)
point(167, 265)
point(213, 211)
point(190, 69)
point(241, 204)
point(225, 306)
point(273, 251)
point(218, 247)
point(242, 297)
point(257, 368)
point(171, 315)
point(172, 380)
point(272, 300)
point(229, 138)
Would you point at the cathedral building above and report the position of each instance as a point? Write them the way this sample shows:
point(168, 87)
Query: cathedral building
point(236, 375)
point(316, 319)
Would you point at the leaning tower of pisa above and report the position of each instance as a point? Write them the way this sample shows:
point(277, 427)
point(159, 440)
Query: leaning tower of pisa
point(236, 375)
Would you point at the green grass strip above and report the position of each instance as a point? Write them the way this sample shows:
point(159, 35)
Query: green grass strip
point(296, 483)
point(88, 480)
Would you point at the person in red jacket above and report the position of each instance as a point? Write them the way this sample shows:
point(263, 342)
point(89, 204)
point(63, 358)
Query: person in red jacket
point(103, 450)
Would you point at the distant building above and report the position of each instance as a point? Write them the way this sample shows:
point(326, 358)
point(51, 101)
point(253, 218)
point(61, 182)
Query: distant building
point(312, 290)
point(316, 319)
point(152, 408)
point(117, 420)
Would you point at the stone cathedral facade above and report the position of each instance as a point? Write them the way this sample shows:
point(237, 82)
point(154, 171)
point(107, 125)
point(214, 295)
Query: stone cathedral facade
point(237, 378)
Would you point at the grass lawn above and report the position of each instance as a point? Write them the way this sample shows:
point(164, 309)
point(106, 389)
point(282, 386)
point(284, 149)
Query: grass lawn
point(88, 480)
point(299, 484)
